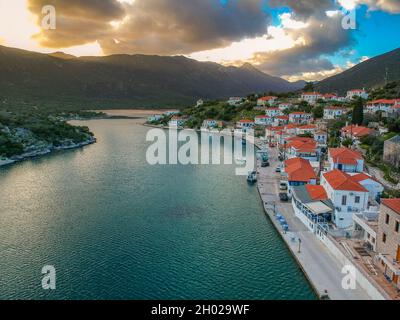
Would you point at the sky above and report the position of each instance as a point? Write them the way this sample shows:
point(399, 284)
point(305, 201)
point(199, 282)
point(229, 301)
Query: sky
point(293, 39)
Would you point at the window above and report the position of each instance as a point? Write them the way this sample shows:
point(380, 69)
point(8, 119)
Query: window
point(344, 200)
point(384, 238)
point(397, 226)
point(387, 219)
point(357, 199)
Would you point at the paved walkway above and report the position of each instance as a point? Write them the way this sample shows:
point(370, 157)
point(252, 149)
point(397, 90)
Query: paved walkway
point(322, 269)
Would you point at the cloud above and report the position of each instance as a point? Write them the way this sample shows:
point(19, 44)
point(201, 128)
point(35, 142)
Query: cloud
point(316, 41)
point(392, 6)
point(152, 26)
point(304, 9)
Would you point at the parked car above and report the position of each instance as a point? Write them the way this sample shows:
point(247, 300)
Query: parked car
point(283, 185)
point(272, 145)
point(283, 197)
point(278, 169)
point(264, 164)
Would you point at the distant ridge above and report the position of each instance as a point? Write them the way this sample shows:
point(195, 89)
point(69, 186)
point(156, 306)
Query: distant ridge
point(368, 74)
point(126, 80)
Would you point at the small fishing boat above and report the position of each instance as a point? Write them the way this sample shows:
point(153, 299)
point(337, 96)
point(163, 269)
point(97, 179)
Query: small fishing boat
point(252, 177)
point(241, 160)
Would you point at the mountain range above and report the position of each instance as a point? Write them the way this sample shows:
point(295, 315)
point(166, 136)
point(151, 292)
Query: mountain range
point(126, 80)
point(372, 73)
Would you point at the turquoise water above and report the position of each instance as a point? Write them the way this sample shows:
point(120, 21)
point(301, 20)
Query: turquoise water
point(116, 228)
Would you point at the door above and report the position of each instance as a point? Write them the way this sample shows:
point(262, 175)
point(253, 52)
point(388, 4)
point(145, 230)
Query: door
point(395, 279)
point(398, 253)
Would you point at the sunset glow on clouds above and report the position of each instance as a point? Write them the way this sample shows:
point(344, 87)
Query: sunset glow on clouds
point(295, 39)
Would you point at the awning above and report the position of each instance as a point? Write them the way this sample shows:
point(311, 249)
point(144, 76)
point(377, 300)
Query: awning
point(318, 207)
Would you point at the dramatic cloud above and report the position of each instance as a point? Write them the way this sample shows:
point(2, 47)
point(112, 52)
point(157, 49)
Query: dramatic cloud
point(319, 38)
point(152, 26)
point(224, 31)
point(392, 6)
point(303, 9)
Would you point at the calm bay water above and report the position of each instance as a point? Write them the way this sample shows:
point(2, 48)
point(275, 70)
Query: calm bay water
point(116, 228)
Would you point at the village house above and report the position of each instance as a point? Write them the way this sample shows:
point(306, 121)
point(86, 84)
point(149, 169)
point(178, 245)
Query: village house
point(321, 137)
point(245, 124)
point(273, 112)
point(346, 160)
point(365, 226)
point(332, 112)
point(284, 106)
point(235, 101)
point(311, 97)
point(210, 123)
point(388, 240)
point(155, 117)
point(281, 120)
point(356, 93)
point(383, 105)
point(330, 97)
point(176, 122)
point(300, 117)
point(266, 101)
point(374, 187)
point(306, 129)
point(391, 151)
point(298, 172)
point(313, 207)
point(263, 120)
point(355, 132)
point(347, 195)
point(199, 103)
point(301, 147)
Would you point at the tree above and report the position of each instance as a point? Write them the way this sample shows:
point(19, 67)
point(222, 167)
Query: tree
point(318, 112)
point(309, 87)
point(358, 112)
point(347, 142)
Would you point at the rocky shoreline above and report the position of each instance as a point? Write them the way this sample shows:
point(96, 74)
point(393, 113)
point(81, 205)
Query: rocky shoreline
point(41, 151)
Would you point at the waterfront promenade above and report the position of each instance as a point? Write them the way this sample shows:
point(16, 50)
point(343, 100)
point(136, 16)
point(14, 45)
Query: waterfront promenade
point(321, 268)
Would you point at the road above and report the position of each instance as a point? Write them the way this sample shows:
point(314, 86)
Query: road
point(322, 269)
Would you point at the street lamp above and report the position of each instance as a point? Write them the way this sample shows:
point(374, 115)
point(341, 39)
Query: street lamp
point(299, 251)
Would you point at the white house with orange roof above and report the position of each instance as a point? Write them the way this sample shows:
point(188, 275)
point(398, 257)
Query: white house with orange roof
point(301, 147)
point(321, 137)
point(330, 97)
point(235, 101)
point(355, 132)
point(263, 120)
point(311, 97)
point(356, 93)
point(273, 112)
point(313, 207)
point(332, 112)
point(245, 124)
point(383, 105)
point(281, 120)
point(346, 160)
point(347, 195)
point(300, 117)
point(374, 187)
point(306, 129)
point(267, 101)
point(284, 106)
point(298, 171)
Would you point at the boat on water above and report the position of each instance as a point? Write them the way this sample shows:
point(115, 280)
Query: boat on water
point(252, 177)
point(241, 160)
